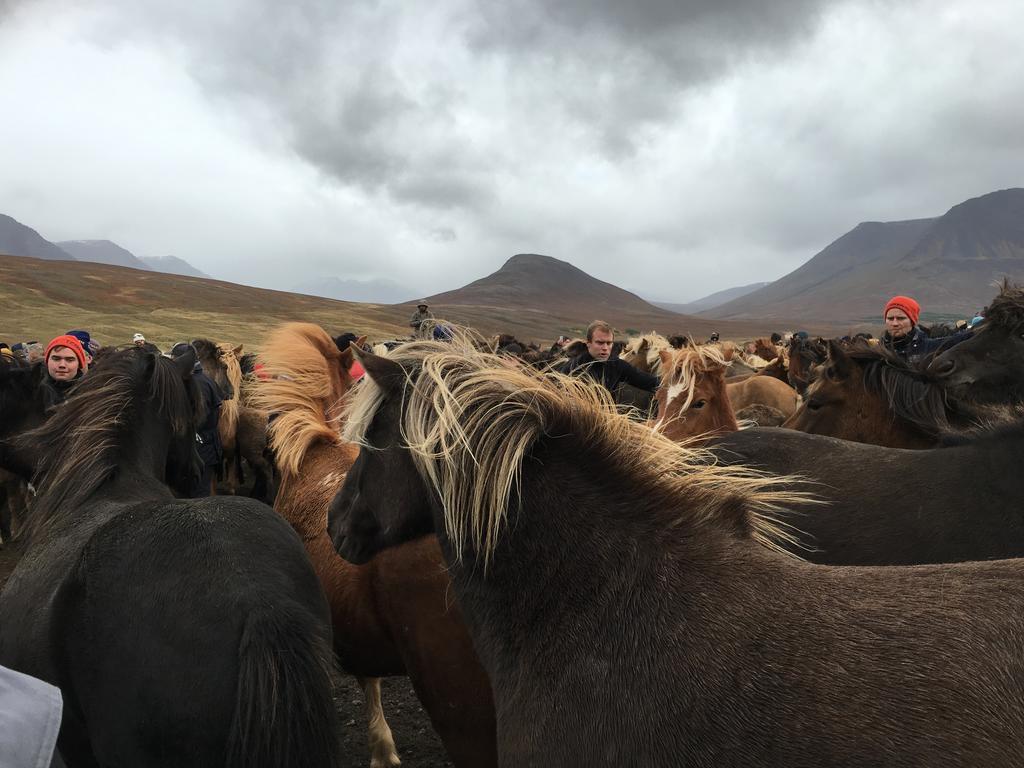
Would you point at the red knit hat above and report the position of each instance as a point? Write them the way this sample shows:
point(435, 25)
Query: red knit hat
point(910, 307)
point(71, 343)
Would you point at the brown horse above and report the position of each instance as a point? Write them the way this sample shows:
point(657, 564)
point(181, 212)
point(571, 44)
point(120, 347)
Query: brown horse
point(657, 604)
point(395, 615)
point(868, 395)
point(804, 358)
point(644, 352)
point(693, 399)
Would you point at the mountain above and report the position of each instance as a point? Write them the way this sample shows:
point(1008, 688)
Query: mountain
point(102, 252)
point(550, 297)
point(710, 301)
point(172, 265)
point(379, 291)
point(18, 240)
point(949, 264)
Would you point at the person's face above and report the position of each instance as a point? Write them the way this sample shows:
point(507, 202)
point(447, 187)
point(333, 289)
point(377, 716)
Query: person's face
point(62, 364)
point(600, 346)
point(897, 322)
point(139, 342)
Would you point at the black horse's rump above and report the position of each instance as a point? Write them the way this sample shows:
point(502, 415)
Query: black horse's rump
point(180, 632)
point(890, 506)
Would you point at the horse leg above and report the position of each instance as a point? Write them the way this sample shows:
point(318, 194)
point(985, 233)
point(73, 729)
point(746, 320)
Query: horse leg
point(383, 753)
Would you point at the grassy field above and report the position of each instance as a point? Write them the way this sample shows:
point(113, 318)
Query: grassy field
point(41, 299)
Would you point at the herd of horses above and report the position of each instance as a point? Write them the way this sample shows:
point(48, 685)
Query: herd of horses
point(563, 583)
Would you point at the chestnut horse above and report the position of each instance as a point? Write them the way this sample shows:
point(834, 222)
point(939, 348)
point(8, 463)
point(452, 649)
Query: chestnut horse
point(656, 603)
point(693, 399)
point(227, 424)
point(395, 615)
point(869, 395)
point(696, 398)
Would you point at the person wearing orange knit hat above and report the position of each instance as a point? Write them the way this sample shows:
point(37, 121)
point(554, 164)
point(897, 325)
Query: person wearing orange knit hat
point(904, 337)
point(65, 363)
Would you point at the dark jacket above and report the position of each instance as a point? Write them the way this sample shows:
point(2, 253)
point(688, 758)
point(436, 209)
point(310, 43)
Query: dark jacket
point(917, 345)
point(208, 444)
point(609, 373)
point(56, 392)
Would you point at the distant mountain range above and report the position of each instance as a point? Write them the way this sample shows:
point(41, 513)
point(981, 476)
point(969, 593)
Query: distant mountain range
point(172, 265)
point(710, 301)
point(949, 264)
point(380, 291)
point(17, 239)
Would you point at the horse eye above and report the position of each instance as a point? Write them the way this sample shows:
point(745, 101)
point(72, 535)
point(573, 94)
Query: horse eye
point(813, 405)
point(699, 404)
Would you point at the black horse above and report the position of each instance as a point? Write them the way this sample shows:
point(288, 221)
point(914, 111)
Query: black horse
point(22, 407)
point(891, 506)
point(180, 632)
point(627, 603)
point(989, 367)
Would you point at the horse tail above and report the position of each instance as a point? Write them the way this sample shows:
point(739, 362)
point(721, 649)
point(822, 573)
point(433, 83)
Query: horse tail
point(284, 712)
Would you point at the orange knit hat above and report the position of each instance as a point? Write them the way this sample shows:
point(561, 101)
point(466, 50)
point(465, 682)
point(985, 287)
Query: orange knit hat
point(71, 343)
point(910, 307)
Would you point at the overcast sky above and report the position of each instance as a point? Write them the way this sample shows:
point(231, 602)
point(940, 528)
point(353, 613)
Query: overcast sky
point(674, 148)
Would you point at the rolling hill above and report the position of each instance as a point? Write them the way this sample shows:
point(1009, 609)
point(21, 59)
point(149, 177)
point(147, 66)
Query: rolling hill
point(710, 301)
point(949, 264)
point(547, 296)
point(40, 299)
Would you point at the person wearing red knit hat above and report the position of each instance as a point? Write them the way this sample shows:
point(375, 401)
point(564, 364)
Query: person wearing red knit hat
point(905, 337)
point(65, 363)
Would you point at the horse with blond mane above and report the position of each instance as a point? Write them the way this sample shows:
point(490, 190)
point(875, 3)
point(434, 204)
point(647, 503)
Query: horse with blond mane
point(658, 604)
point(393, 616)
point(697, 399)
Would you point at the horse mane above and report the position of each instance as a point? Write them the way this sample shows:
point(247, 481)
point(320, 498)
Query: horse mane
point(691, 361)
point(470, 419)
point(306, 386)
point(206, 348)
point(655, 343)
point(1006, 309)
point(79, 445)
point(228, 421)
point(910, 392)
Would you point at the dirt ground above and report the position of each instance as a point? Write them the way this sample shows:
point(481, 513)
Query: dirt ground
point(418, 745)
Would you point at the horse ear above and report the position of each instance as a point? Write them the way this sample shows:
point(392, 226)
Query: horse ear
point(727, 352)
point(666, 358)
point(182, 364)
point(386, 374)
point(643, 345)
point(838, 358)
point(238, 350)
point(361, 341)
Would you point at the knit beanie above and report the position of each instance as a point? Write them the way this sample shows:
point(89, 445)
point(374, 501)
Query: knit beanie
point(71, 343)
point(909, 307)
point(83, 338)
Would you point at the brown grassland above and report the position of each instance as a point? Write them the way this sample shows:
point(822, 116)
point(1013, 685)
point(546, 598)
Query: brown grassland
point(41, 299)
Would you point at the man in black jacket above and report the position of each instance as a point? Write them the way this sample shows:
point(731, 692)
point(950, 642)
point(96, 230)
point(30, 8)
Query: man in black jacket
point(598, 364)
point(208, 444)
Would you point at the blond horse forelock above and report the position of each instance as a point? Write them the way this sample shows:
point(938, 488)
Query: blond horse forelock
point(681, 379)
point(469, 420)
point(227, 423)
point(306, 387)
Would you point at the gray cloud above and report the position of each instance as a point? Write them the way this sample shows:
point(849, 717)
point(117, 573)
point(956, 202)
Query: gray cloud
point(671, 146)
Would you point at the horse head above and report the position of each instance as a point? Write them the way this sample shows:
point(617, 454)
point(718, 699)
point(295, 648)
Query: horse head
point(692, 399)
point(384, 500)
point(988, 368)
point(212, 358)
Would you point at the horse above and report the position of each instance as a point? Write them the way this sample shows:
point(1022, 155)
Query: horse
point(22, 407)
point(227, 425)
point(868, 395)
point(693, 399)
point(395, 615)
point(180, 632)
point(804, 358)
point(657, 603)
point(988, 367)
point(891, 506)
point(644, 352)
point(212, 358)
